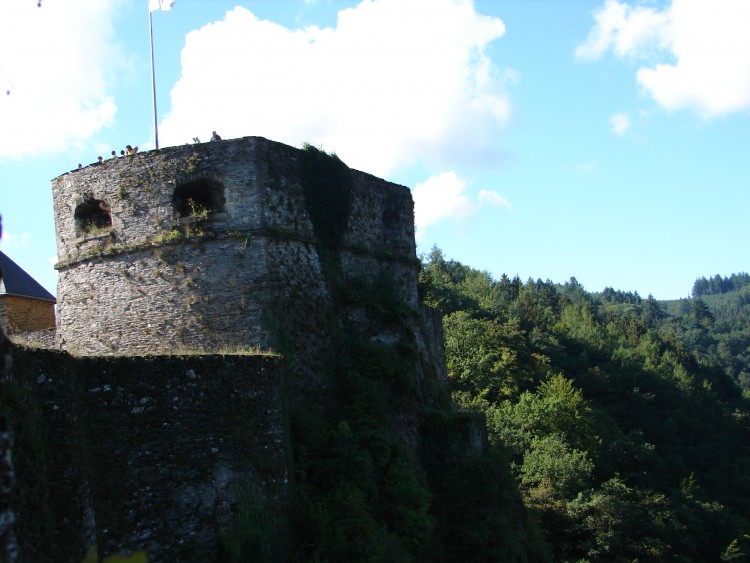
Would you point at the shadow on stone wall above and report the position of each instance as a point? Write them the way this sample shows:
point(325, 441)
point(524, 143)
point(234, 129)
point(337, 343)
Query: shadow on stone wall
point(151, 453)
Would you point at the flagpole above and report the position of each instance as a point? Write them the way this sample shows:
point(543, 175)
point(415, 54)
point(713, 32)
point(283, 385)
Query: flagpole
point(153, 80)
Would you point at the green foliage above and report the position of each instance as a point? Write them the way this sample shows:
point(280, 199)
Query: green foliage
point(476, 502)
point(623, 417)
point(483, 356)
point(407, 502)
point(620, 523)
point(197, 210)
point(92, 229)
point(363, 494)
point(327, 184)
point(254, 533)
point(718, 284)
point(557, 408)
point(361, 498)
point(552, 466)
point(738, 550)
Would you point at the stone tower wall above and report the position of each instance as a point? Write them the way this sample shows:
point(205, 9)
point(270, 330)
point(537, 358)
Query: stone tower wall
point(139, 274)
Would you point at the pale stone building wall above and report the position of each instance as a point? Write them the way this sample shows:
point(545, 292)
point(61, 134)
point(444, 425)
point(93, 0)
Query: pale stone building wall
point(26, 314)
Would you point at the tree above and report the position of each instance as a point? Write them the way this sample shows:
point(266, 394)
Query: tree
point(483, 356)
point(652, 312)
point(556, 469)
point(557, 408)
point(701, 314)
point(624, 524)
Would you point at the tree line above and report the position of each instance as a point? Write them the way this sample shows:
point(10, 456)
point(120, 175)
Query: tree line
point(716, 285)
point(625, 425)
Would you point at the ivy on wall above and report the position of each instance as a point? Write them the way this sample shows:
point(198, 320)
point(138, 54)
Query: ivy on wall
point(327, 184)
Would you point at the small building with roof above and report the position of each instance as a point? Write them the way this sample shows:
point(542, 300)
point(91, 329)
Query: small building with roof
point(25, 306)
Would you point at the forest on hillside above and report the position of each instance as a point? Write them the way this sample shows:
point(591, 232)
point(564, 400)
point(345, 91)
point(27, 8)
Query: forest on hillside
point(625, 421)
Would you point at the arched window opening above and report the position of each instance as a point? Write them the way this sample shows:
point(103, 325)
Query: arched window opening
point(93, 216)
point(198, 199)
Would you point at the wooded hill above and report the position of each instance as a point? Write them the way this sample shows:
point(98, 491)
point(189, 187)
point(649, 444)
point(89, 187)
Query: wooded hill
point(625, 420)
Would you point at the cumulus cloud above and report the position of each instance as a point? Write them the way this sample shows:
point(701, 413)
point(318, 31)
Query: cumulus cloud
point(56, 64)
point(628, 31)
point(699, 51)
point(620, 122)
point(444, 196)
point(394, 82)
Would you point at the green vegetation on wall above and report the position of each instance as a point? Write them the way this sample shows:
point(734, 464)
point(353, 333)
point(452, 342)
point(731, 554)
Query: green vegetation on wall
point(363, 492)
point(361, 495)
point(327, 184)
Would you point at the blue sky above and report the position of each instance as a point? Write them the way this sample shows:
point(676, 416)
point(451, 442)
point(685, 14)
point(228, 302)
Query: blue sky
point(606, 140)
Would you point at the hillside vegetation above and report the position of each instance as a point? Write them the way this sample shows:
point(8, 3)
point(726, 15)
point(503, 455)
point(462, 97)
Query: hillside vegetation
point(626, 420)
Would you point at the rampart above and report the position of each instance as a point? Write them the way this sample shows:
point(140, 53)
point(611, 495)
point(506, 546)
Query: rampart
point(142, 453)
point(210, 247)
point(216, 248)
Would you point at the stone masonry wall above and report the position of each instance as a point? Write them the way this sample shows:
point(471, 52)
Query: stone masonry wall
point(142, 453)
point(162, 448)
point(182, 297)
point(154, 281)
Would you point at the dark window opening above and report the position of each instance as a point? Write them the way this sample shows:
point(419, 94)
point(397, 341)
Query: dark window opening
point(198, 199)
point(93, 216)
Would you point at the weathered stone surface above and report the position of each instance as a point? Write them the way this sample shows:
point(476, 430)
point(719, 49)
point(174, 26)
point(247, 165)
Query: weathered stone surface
point(144, 453)
point(155, 281)
point(158, 448)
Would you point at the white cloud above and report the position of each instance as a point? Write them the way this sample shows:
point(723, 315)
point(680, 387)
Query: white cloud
point(395, 82)
point(620, 122)
point(56, 62)
point(13, 243)
point(443, 196)
point(629, 32)
point(488, 197)
point(704, 49)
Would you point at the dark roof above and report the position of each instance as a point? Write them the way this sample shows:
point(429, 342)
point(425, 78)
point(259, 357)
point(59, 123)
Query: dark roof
point(17, 282)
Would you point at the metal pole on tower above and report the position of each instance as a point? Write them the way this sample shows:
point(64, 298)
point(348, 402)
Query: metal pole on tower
point(153, 80)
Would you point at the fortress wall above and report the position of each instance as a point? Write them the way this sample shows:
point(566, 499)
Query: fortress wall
point(139, 190)
point(156, 282)
point(142, 453)
point(382, 217)
point(368, 266)
point(205, 295)
point(163, 448)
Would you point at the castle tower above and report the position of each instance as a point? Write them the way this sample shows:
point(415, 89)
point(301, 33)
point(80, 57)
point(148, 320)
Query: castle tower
point(212, 247)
